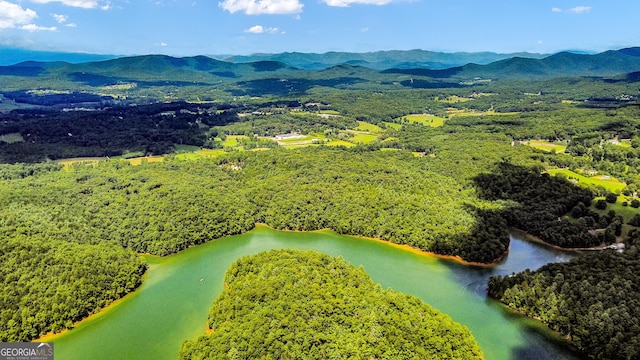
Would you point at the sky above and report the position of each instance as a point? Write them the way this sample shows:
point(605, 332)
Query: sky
point(242, 27)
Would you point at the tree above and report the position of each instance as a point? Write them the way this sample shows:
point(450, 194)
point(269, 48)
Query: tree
point(611, 198)
point(601, 204)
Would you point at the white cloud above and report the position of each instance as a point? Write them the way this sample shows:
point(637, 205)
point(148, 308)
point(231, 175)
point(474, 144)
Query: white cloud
point(85, 4)
point(12, 15)
point(258, 7)
point(33, 28)
point(163, 44)
point(364, 29)
point(556, 10)
point(259, 29)
point(60, 18)
point(580, 9)
point(71, 25)
point(346, 3)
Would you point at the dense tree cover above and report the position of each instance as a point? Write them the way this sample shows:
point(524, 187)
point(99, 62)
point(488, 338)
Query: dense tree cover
point(273, 124)
point(541, 201)
point(286, 304)
point(55, 98)
point(152, 129)
point(22, 170)
point(162, 208)
point(429, 202)
point(593, 300)
point(48, 284)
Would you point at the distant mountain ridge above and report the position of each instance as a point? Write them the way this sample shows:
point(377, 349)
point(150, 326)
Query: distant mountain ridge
point(563, 64)
point(280, 78)
point(11, 56)
point(381, 60)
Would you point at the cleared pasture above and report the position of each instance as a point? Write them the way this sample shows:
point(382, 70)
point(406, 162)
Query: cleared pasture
point(627, 212)
point(453, 99)
point(548, 146)
point(11, 138)
point(363, 138)
point(368, 127)
point(424, 119)
point(232, 140)
point(392, 125)
point(337, 142)
point(610, 184)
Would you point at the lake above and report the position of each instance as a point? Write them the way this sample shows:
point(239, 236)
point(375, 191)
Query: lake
point(173, 302)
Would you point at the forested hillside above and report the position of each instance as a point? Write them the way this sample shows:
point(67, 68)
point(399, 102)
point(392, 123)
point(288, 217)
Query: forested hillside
point(443, 161)
point(305, 305)
point(48, 284)
point(162, 208)
point(541, 202)
point(592, 300)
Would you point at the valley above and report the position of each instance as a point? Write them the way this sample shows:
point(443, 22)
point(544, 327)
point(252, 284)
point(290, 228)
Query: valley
point(155, 165)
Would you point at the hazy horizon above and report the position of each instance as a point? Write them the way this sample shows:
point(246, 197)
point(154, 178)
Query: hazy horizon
point(245, 27)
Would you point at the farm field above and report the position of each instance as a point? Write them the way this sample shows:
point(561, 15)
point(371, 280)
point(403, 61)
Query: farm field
point(232, 140)
point(368, 127)
point(451, 112)
point(424, 119)
point(452, 99)
point(337, 142)
point(627, 212)
point(363, 138)
point(609, 183)
point(559, 148)
point(392, 125)
point(11, 138)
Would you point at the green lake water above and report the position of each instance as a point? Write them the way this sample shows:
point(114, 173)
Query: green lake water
point(172, 304)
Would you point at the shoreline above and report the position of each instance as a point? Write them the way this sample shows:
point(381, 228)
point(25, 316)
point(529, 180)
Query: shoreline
point(51, 336)
point(406, 247)
point(535, 239)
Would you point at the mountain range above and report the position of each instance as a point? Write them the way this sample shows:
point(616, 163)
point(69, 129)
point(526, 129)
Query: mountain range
point(285, 77)
point(381, 60)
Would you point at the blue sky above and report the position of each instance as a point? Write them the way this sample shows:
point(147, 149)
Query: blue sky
point(216, 27)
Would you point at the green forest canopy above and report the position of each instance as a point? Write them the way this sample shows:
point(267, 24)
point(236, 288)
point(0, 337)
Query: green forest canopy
point(592, 300)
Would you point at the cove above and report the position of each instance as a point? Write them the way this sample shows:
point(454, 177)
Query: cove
point(172, 304)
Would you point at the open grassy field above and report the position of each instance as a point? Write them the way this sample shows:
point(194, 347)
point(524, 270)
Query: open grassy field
point(329, 112)
point(453, 99)
point(139, 160)
point(93, 160)
point(11, 138)
point(627, 212)
point(392, 125)
point(295, 140)
point(84, 160)
point(625, 143)
point(451, 112)
point(363, 138)
point(232, 140)
point(370, 128)
point(610, 184)
point(337, 142)
point(548, 146)
point(425, 119)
